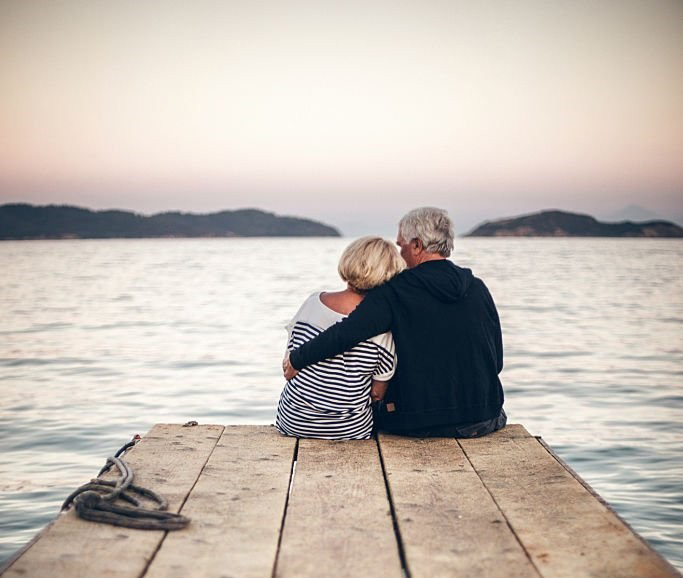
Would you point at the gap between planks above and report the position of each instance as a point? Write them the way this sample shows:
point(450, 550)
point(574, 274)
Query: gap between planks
point(392, 508)
point(292, 474)
point(237, 509)
point(502, 513)
point(182, 505)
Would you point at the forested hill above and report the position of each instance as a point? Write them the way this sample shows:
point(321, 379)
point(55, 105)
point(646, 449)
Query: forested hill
point(563, 224)
point(24, 221)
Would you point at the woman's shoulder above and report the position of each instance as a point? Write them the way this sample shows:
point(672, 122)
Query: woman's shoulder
point(384, 340)
point(313, 311)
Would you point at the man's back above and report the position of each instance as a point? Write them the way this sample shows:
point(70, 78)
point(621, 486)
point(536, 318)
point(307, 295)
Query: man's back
point(449, 347)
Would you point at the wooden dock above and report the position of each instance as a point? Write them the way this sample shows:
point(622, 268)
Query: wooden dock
point(267, 505)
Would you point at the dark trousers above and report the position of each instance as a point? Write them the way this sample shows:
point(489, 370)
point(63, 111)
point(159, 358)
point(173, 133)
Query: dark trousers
point(461, 430)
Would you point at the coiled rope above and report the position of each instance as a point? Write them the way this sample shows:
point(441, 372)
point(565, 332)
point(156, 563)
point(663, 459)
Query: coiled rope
point(94, 501)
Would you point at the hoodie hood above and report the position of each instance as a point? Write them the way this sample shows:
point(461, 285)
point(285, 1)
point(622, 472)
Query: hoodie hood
point(441, 278)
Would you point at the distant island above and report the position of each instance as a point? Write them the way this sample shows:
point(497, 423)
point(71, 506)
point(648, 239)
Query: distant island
point(564, 224)
point(25, 221)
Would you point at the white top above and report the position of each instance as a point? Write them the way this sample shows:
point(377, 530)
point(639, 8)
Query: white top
point(331, 399)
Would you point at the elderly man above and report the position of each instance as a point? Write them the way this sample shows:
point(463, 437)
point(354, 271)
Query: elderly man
point(447, 335)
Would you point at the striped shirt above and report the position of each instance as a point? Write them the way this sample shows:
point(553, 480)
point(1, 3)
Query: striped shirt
point(331, 399)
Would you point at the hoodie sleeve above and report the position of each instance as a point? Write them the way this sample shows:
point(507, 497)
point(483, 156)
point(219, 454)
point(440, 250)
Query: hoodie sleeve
point(496, 330)
point(371, 317)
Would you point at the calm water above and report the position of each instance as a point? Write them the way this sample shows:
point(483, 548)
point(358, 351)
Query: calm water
point(101, 339)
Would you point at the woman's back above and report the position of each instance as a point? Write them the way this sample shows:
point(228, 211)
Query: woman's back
point(331, 399)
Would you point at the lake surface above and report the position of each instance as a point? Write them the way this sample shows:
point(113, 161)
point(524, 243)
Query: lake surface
point(100, 340)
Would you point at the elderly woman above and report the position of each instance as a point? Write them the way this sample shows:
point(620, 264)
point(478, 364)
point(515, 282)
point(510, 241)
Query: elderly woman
point(331, 399)
point(447, 335)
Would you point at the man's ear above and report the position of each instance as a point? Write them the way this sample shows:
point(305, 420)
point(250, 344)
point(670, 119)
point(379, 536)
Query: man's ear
point(417, 244)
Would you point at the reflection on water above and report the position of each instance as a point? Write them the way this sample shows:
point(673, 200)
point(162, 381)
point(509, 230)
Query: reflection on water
point(101, 339)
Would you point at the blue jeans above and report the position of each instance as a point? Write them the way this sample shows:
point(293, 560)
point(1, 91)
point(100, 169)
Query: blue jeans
point(462, 430)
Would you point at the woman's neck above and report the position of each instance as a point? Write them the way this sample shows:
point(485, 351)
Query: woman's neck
point(342, 301)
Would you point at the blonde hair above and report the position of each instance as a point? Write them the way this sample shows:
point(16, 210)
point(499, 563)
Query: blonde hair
point(368, 262)
point(431, 226)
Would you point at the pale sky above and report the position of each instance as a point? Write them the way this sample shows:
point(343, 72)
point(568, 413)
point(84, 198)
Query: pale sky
point(350, 112)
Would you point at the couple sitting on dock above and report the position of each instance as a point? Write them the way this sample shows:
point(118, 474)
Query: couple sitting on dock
point(423, 343)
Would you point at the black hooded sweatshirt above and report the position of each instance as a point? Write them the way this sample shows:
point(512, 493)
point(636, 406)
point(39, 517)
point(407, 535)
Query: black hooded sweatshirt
point(448, 343)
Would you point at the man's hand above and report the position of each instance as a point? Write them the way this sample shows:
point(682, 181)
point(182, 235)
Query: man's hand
point(287, 368)
point(378, 389)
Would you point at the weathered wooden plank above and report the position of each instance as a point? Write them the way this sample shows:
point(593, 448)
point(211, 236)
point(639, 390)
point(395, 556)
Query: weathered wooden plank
point(338, 520)
point(236, 508)
point(448, 522)
point(566, 531)
point(168, 460)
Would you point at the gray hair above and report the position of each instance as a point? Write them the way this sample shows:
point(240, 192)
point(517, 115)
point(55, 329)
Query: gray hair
point(433, 227)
